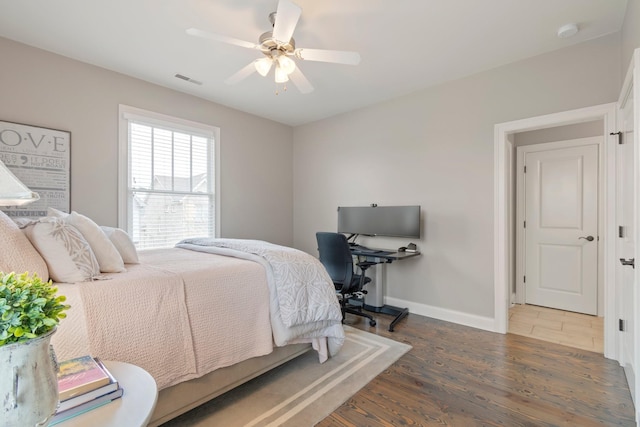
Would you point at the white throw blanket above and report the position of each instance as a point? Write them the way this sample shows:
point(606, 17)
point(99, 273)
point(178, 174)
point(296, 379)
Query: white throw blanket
point(303, 303)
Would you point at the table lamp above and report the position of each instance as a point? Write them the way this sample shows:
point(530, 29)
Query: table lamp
point(12, 191)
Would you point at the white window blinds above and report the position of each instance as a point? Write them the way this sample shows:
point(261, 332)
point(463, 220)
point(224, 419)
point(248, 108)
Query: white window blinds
point(170, 194)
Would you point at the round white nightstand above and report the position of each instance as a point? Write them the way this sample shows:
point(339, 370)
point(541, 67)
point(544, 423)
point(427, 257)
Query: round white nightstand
point(133, 409)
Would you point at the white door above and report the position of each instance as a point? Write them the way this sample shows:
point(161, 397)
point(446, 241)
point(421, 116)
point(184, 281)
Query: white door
point(625, 248)
point(561, 225)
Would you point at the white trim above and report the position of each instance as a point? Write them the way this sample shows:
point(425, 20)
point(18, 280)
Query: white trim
point(636, 224)
point(162, 120)
point(126, 114)
point(123, 166)
point(216, 172)
point(502, 201)
point(466, 319)
point(631, 88)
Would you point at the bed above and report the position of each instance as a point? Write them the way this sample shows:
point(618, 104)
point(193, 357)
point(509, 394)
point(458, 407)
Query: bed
point(201, 318)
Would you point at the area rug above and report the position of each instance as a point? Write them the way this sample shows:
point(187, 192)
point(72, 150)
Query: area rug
point(301, 392)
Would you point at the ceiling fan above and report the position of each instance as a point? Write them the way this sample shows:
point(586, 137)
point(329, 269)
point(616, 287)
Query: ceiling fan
point(279, 47)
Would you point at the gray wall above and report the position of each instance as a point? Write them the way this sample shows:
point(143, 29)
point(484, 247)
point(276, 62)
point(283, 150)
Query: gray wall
point(45, 89)
point(435, 148)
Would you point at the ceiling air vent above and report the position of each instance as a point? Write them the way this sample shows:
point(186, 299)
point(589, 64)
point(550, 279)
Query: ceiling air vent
point(188, 79)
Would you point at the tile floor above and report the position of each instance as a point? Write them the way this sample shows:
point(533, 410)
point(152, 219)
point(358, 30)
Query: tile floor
point(561, 327)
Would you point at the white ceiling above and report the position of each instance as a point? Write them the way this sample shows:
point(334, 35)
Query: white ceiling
point(405, 45)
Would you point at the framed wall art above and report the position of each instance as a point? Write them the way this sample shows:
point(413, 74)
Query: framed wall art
point(41, 158)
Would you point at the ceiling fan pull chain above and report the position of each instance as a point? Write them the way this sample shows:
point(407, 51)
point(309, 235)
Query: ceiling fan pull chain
point(284, 89)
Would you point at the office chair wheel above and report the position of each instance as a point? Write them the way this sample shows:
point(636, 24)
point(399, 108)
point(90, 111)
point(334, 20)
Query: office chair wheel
point(372, 322)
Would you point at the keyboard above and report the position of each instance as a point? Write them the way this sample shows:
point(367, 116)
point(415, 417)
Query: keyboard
point(366, 250)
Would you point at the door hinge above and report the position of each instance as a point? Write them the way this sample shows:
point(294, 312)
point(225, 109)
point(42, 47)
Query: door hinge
point(525, 169)
point(524, 279)
point(619, 134)
point(525, 224)
point(621, 327)
point(620, 231)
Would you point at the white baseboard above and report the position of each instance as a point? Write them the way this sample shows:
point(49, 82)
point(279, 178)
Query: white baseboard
point(466, 319)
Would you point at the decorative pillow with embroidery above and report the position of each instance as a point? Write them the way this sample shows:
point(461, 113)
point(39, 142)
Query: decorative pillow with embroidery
point(66, 252)
point(17, 253)
point(123, 243)
point(108, 257)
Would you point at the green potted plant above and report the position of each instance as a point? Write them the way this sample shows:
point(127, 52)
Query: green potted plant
point(29, 307)
point(30, 310)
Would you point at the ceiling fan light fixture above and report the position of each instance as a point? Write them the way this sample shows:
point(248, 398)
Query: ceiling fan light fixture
point(281, 75)
point(286, 64)
point(263, 65)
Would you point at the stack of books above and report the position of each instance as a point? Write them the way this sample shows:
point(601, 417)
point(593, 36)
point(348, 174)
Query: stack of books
point(84, 383)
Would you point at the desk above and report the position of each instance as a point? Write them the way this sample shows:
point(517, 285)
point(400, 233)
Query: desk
point(383, 257)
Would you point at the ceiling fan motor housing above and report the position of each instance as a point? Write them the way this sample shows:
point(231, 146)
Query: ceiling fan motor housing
point(268, 44)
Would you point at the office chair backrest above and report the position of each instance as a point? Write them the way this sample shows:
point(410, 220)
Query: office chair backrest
point(336, 257)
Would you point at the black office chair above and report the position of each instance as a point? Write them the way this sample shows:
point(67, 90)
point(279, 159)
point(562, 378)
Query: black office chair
point(336, 257)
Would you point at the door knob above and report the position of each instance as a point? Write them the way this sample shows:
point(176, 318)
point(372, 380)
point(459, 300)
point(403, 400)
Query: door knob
point(630, 261)
point(588, 238)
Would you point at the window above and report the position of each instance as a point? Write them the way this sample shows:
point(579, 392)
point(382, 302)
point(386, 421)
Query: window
point(168, 191)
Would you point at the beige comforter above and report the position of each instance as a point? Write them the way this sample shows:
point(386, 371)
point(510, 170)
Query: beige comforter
point(303, 302)
point(170, 315)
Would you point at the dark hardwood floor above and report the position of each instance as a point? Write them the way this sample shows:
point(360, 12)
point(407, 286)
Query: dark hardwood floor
point(461, 376)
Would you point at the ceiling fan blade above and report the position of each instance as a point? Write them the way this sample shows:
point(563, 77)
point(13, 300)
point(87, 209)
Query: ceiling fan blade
point(335, 56)
point(300, 81)
point(220, 38)
point(287, 16)
point(242, 74)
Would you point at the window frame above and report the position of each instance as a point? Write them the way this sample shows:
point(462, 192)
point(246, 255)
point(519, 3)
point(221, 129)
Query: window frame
point(126, 114)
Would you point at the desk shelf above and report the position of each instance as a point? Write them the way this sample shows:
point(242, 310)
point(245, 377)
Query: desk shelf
point(385, 256)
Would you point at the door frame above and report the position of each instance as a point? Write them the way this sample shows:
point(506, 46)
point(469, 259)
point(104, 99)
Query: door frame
point(631, 87)
point(504, 232)
point(520, 252)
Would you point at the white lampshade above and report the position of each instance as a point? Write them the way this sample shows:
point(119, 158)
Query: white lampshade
point(281, 75)
point(263, 65)
point(12, 191)
point(286, 64)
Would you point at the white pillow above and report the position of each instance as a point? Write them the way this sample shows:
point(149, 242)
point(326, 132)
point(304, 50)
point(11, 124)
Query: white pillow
point(65, 250)
point(56, 213)
point(123, 244)
point(108, 257)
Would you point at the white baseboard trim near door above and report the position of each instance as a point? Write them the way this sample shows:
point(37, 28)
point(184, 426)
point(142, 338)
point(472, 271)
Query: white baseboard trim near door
point(459, 317)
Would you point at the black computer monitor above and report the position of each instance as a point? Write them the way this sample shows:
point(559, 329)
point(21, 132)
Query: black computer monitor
point(392, 221)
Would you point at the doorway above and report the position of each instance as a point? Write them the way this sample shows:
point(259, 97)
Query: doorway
point(505, 230)
point(558, 211)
